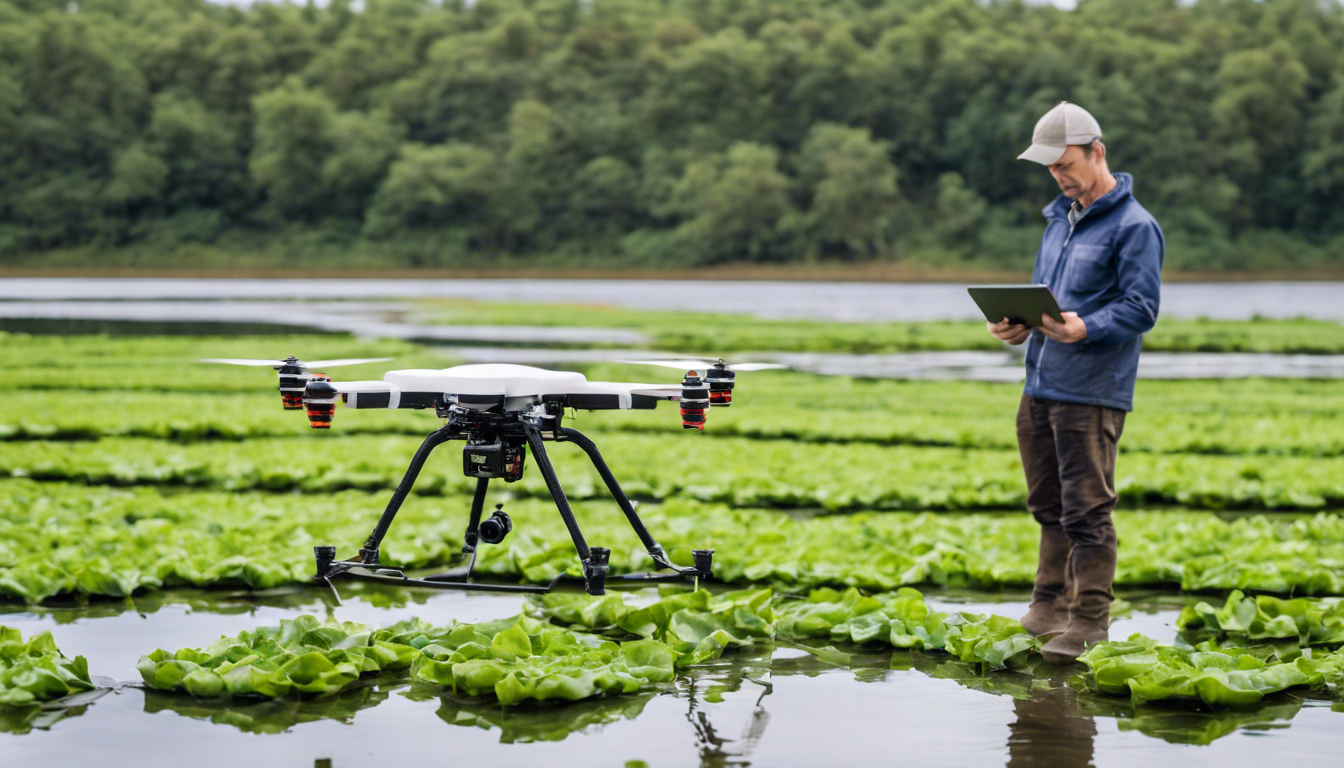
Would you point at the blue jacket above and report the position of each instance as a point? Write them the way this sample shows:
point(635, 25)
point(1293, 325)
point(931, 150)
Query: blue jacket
point(1109, 272)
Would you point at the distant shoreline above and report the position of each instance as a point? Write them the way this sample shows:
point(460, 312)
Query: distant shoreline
point(863, 273)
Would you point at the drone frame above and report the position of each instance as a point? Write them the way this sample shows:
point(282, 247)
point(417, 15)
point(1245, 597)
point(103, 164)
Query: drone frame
point(528, 427)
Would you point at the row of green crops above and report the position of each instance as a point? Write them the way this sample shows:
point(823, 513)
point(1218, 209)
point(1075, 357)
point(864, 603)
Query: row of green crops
point(58, 539)
point(738, 471)
point(899, 619)
point(623, 643)
point(168, 363)
point(1264, 618)
point(1222, 677)
point(523, 657)
point(700, 332)
point(1235, 417)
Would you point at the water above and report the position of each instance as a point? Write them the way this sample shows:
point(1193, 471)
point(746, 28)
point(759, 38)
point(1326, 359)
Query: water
point(127, 306)
point(383, 321)
point(775, 707)
point(850, 302)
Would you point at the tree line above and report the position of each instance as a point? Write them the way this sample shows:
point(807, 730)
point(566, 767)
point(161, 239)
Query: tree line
point(657, 132)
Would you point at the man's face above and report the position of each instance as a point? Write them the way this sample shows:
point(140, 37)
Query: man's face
point(1074, 173)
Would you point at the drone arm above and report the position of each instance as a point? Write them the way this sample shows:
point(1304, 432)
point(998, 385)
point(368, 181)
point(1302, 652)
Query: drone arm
point(614, 395)
point(382, 394)
point(369, 394)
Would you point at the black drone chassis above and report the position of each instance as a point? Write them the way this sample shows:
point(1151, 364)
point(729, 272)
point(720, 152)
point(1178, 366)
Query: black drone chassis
point(465, 425)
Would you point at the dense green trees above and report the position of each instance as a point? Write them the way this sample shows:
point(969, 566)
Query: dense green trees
point(657, 132)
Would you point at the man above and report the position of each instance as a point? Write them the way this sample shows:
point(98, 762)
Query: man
point(1101, 255)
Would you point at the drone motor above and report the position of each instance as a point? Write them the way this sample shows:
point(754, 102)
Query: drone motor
point(694, 401)
point(720, 379)
point(294, 378)
point(319, 399)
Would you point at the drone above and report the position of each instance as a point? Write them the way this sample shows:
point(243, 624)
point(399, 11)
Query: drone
point(502, 412)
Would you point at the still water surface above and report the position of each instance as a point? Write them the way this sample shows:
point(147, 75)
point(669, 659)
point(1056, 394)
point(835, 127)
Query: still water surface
point(766, 707)
point(856, 302)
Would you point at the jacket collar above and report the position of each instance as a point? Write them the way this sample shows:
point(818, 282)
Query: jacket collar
point(1124, 186)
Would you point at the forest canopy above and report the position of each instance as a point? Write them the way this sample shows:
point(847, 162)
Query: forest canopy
point(656, 132)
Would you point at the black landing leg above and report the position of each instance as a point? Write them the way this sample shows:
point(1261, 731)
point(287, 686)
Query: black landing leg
point(703, 557)
point(369, 554)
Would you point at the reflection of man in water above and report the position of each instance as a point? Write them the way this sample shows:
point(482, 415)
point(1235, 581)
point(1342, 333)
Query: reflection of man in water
point(1051, 730)
point(1101, 255)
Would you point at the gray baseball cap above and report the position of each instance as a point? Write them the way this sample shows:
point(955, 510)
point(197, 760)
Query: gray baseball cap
point(1065, 125)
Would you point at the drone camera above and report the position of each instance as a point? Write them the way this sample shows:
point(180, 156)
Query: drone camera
point(319, 398)
point(493, 529)
point(498, 458)
point(720, 380)
point(695, 394)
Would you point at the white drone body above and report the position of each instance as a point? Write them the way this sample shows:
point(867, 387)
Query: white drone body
point(483, 386)
point(499, 388)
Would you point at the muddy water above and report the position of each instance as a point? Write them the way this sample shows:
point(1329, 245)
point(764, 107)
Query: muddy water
point(768, 707)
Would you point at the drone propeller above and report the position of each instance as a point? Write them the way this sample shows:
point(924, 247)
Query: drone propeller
point(300, 389)
point(705, 364)
point(293, 361)
point(707, 382)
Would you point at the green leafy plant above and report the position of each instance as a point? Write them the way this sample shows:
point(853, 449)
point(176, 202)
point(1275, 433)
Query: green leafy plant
point(302, 655)
point(1226, 677)
point(35, 670)
point(1312, 622)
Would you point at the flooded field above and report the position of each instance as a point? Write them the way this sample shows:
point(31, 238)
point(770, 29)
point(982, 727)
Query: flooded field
point(126, 470)
point(768, 705)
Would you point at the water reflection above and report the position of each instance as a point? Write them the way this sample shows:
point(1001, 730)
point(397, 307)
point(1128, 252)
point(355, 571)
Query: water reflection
point(749, 668)
point(27, 718)
point(1051, 728)
point(544, 721)
point(1176, 724)
point(272, 715)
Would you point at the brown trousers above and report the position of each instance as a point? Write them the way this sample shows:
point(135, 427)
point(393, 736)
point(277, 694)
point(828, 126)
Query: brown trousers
point(1068, 453)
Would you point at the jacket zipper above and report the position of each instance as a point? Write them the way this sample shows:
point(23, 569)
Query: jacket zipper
point(1040, 359)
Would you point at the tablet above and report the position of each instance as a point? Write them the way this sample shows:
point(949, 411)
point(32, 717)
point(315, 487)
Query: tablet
point(1021, 304)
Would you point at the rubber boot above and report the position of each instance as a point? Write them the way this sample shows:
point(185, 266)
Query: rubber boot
point(1093, 570)
point(1048, 614)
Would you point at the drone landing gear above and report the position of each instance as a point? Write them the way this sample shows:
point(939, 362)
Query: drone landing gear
point(595, 560)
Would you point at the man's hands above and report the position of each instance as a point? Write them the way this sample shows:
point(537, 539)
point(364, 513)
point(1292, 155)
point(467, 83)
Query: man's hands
point(1010, 333)
point(1071, 330)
